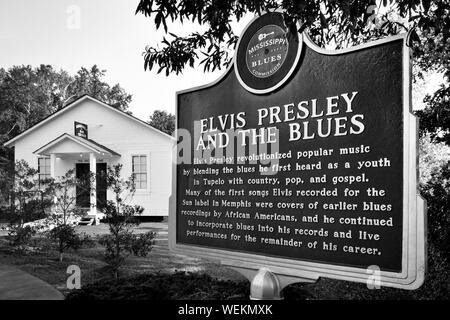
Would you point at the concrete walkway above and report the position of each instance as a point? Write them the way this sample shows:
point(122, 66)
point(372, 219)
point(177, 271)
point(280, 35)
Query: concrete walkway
point(18, 285)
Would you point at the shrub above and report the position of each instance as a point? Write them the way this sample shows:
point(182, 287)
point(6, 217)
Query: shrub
point(66, 237)
point(121, 219)
point(162, 286)
point(437, 194)
point(20, 237)
point(437, 279)
point(29, 196)
point(34, 209)
point(64, 190)
point(433, 156)
point(435, 188)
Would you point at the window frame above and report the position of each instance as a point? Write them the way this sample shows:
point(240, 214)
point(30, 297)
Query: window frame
point(138, 186)
point(46, 166)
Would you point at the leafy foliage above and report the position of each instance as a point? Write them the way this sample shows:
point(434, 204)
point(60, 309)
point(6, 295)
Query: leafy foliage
point(67, 237)
point(335, 23)
point(163, 121)
point(434, 53)
point(121, 218)
point(90, 81)
point(29, 196)
point(29, 201)
point(433, 157)
point(65, 189)
point(437, 194)
point(199, 286)
point(28, 95)
point(19, 236)
point(181, 285)
point(435, 118)
point(434, 168)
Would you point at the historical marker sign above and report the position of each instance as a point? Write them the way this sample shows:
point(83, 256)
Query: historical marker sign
point(302, 160)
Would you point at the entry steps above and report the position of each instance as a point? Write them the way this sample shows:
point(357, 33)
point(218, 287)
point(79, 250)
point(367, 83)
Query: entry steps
point(87, 221)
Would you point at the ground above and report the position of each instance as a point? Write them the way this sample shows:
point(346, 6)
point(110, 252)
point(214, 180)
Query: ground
point(17, 284)
point(47, 267)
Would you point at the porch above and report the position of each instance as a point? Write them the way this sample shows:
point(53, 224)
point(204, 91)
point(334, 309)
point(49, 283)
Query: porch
point(88, 158)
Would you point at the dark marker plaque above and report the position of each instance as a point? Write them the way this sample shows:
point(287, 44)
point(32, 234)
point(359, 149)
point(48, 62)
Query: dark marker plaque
point(321, 185)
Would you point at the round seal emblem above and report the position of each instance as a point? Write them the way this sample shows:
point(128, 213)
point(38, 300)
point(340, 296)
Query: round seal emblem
point(267, 53)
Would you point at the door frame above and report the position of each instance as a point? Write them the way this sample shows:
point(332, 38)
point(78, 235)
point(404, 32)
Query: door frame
point(97, 183)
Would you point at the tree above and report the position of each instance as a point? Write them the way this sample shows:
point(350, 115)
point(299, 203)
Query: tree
point(434, 54)
point(28, 195)
point(65, 189)
point(29, 199)
point(67, 237)
point(435, 118)
point(27, 96)
point(91, 82)
point(435, 187)
point(31, 94)
point(335, 23)
point(433, 158)
point(163, 121)
point(121, 218)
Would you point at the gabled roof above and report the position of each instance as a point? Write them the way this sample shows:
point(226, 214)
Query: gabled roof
point(87, 143)
point(72, 105)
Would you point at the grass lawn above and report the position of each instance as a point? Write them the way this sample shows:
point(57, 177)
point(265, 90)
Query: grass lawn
point(46, 266)
point(150, 271)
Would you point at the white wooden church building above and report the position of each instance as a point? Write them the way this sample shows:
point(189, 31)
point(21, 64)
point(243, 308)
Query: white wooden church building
point(88, 135)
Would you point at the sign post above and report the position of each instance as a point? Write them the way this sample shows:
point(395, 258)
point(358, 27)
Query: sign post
point(301, 163)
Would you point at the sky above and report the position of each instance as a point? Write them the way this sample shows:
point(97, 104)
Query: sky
point(107, 33)
point(70, 34)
